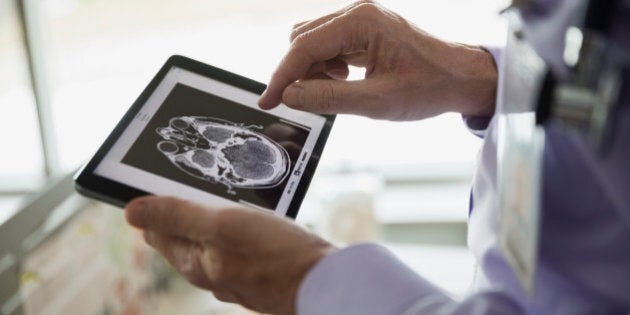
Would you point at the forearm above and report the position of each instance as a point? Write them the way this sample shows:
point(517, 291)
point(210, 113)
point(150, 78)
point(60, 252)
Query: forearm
point(367, 279)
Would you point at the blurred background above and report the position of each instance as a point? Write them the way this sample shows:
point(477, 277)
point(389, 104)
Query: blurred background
point(69, 69)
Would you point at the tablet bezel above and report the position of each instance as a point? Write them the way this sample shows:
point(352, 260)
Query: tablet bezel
point(88, 183)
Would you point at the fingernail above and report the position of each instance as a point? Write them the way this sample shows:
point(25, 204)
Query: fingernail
point(294, 96)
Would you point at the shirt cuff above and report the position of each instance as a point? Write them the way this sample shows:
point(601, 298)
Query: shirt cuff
point(477, 125)
point(365, 279)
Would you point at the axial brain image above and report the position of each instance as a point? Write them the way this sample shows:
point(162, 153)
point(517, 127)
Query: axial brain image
point(220, 151)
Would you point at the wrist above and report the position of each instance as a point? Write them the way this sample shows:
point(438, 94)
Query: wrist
point(477, 76)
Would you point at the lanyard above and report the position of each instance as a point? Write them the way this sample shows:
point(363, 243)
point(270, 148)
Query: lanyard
point(587, 99)
point(532, 95)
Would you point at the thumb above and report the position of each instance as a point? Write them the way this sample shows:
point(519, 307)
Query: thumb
point(325, 96)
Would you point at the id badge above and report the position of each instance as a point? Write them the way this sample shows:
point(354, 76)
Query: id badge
point(520, 147)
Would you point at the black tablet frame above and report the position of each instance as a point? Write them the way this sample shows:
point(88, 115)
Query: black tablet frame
point(119, 194)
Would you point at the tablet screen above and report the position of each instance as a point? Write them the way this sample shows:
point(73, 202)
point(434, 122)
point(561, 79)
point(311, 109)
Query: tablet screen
point(204, 140)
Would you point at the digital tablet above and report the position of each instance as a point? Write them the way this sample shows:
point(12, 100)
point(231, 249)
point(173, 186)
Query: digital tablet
point(196, 132)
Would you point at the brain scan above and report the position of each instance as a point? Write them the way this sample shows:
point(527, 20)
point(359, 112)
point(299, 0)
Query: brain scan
point(220, 151)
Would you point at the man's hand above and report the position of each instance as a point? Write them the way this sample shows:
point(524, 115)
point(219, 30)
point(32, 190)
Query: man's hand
point(409, 74)
point(244, 256)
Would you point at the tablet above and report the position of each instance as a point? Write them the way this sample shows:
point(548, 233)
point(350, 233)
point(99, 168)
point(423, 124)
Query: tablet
point(197, 133)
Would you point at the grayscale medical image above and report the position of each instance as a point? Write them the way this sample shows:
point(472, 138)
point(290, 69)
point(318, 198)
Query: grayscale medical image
point(220, 151)
point(219, 146)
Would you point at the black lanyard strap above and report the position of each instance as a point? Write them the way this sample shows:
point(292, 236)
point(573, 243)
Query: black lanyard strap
point(587, 99)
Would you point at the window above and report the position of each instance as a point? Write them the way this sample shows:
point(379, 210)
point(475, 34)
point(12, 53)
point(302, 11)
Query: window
point(21, 164)
point(21, 157)
point(100, 54)
point(92, 58)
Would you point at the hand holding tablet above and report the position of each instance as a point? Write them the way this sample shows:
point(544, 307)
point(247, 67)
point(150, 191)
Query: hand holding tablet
point(196, 133)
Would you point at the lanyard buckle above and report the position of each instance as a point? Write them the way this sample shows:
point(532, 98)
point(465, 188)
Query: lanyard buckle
point(586, 100)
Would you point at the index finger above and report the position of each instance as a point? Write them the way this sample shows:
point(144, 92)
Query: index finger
point(171, 216)
point(336, 37)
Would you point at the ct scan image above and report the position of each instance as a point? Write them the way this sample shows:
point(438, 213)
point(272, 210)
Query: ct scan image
point(220, 151)
point(219, 146)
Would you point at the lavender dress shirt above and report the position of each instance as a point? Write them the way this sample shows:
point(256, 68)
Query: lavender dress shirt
point(584, 251)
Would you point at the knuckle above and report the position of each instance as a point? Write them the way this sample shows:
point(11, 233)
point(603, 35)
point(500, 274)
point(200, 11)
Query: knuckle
point(368, 8)
point(300, 40)
point(225, 269)
point(214, 266)
point(369, 14)
point(326, 98)
point(298, 48)
point(293, 35)
point(362, 2)
point(296, 30)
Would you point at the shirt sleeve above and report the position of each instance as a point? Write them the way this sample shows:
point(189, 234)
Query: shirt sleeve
point(478, 125)
point(367, 279)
